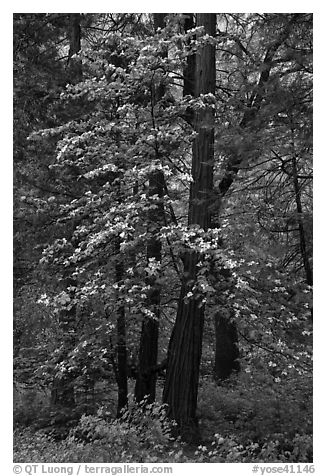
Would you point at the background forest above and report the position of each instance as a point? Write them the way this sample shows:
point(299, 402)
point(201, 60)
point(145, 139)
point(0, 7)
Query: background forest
point(163, 237)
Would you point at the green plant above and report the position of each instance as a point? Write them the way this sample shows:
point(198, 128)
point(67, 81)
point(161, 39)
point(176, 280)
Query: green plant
point(256, 409)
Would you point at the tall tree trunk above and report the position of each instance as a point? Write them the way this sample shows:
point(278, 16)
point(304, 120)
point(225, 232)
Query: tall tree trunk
point(122, 379)
point(185, 347)
point(62, 392)
point(302, 234)
point(226, 350)
point(148, 349)
point(120, 367)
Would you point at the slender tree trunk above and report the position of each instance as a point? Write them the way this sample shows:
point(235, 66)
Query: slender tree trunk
point(185, 347)
point(62, 392)
point(189, 71)
point(190, 68)
point(148, 350)
point(121, 348)
point(148, 347)
point(122, 379)
point(74, 65)
point(302, 235)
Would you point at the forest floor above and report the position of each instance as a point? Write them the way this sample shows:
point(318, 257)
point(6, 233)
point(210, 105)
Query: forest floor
point(240, 421)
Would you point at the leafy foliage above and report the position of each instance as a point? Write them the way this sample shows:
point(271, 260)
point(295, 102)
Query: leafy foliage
point(245, 432)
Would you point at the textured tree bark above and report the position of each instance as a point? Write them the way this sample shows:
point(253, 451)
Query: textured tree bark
point(226, 350)
point(148, 350)
point(185, 347)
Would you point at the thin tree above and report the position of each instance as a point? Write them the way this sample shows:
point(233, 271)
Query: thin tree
point(148, 348)
point(121, 374)
point(62, 392)
point(302, 233)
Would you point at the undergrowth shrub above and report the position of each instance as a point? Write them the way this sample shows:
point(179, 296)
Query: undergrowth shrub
point(244, 420)
point(141, 427)
point(258, 411)
point(40, 448)
point(142, 435)
point(229, 450)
